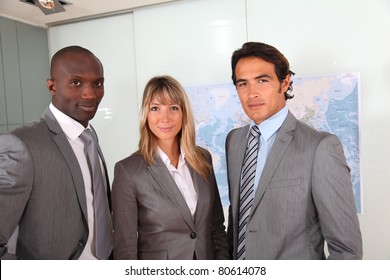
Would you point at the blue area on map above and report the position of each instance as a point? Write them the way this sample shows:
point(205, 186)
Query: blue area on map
point(216, 145)
point(343, 121)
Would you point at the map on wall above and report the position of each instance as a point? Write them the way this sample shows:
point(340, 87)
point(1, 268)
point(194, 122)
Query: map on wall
point(327, 102)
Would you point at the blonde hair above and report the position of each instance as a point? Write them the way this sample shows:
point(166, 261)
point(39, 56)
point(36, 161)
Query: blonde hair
point(167, 90)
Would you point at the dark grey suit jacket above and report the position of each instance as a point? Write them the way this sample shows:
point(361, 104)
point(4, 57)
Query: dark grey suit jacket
point(152, 220)
point(42, 191)
point(303, 198)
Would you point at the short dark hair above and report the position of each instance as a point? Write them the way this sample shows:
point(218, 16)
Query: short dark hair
point(66, 50)
point(267, 53)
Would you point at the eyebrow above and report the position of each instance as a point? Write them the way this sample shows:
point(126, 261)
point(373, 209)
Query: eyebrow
point(261, 76)
point(81, 77)
point(164, 104)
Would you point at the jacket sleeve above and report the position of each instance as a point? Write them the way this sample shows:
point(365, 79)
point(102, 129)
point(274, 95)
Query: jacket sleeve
point(230, 230)
point(16, 179)
point(125, 214)
point(218, 233)
point(333, 196)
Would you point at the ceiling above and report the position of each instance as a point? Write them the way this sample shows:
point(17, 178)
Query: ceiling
point(75, 10)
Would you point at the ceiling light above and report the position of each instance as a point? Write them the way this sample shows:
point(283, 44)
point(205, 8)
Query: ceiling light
point(48, 4)
point(48, 7)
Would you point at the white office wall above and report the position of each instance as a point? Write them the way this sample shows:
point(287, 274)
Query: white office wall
point(193, 41)
point(190, 40)
point(111, 39)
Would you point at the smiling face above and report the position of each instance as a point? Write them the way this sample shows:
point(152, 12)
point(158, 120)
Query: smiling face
point(260, 92)
point(165, 121)
point(77, 85)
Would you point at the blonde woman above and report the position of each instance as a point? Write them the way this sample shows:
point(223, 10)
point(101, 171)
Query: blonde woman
point(166, 203)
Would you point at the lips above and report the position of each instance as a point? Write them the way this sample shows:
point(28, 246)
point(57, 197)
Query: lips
point(165, 129)
point(255, 105)
point(88, 107)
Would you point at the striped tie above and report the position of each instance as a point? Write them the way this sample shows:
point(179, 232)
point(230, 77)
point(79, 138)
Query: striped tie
point(247, 188)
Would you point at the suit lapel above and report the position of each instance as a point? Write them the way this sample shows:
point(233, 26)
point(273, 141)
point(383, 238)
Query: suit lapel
point(280, 145)
point(66, 150)
point(163, 178)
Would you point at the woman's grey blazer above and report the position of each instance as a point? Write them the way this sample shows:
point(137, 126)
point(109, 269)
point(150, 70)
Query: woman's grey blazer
point(152, 220)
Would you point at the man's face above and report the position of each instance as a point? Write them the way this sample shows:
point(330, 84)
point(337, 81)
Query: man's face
point(260, 92)
point(77, 86)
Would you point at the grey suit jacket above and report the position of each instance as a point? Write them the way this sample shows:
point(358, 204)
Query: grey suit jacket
point(42, 191)
point(152, 220)
point(304, 197)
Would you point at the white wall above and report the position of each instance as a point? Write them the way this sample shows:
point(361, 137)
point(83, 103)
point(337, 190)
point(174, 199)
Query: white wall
point(190, 40)
point(111, 39)
point(193, 41)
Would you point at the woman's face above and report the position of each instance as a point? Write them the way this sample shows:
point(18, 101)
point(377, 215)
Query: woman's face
point(165, 121)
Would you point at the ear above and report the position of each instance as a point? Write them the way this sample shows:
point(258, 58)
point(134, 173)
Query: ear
point(286, 83)
point(51, 86)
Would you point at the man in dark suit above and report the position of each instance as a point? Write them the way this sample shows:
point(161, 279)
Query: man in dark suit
point(293, 191)
point(46, 185)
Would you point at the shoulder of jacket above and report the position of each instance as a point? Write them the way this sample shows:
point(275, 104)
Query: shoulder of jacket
point(134, 158)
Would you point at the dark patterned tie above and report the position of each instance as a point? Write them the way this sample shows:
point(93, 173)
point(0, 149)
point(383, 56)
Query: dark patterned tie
point(247, 188)
point(103, 228)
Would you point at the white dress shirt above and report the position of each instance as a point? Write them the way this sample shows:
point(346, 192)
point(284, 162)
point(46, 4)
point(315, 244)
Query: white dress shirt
point(269, 130)
point(182, 177)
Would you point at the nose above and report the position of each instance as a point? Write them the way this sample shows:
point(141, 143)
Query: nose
point(89, 92)
point(253, 90)
point(164, 115)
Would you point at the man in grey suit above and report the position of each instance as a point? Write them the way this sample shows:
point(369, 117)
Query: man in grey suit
point(296, 192)
point(46, 186)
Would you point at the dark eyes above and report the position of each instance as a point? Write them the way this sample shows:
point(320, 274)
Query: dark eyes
point(172, 108)
point(244, 84)
point(77, 83)
point(241, 84)
point(99, 84)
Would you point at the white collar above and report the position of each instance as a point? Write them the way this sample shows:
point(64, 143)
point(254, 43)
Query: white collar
point(71, 127)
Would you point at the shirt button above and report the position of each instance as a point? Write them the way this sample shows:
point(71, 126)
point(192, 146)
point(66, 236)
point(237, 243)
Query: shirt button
point(193, 235)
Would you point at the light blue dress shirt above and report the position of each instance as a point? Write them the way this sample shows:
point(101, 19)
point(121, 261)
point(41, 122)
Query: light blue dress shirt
point(269, 130)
